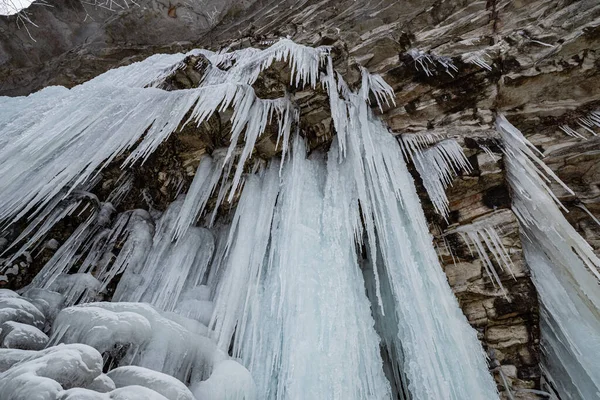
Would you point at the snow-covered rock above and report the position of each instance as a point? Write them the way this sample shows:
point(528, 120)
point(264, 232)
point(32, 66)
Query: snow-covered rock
point(16, 308)
point(15, 335)
point(42, 375)
point(171, 388)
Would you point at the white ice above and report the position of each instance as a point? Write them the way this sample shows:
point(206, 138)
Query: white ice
point(564, 269)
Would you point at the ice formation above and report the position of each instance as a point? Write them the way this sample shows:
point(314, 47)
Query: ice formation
point(564, 269)
point(483, 236)
point(429, 62)
point(438, 166)
point(277, 283)
point(588, 123)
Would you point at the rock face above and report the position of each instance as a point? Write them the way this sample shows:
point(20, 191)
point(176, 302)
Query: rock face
point(537, 62)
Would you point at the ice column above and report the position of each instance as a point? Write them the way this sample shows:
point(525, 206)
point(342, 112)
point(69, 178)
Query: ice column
point(564, 269)
point(443, 358)
point(309, 333)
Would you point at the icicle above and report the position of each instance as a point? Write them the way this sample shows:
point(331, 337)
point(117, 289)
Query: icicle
point(206, 179)
point(478, 58)
point(564, 269)
point(592, 216)
point(415, 143)
point(587, 122)
point(53, 213)
point(483, 236)
point(380, 89)
point(303, 61)
point(438, 166)
point(489, 152)
point(122, 187)
point(427, 62)
point(72, 250)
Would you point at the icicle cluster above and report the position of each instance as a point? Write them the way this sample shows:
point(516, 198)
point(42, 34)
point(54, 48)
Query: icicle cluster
point(428, 62)
point(588, 123)
point(279, 285)
point(438, 166)
point(479, 58)
point(483, 236)
point(564, 269)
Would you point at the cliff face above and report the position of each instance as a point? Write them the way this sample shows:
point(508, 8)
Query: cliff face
point(537, 62)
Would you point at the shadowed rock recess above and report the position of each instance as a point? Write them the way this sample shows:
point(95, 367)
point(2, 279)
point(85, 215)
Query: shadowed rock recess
point(456, 68)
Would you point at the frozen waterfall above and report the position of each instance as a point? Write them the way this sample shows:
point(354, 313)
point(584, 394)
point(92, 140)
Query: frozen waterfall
point(311, 275)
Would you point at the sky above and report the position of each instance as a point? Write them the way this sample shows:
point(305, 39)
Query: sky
point(9, 7)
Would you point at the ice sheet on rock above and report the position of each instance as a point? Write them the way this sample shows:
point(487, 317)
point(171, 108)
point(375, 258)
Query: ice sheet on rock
point(10, 357)
point(149, 72)
point(136, 228)
point(166, 385)
point(199, 310)
point(564, 269)
point(229, 381)
point(102, 329)
point(16, 335)
point(308, 331)
point(43, 374)
point(438, 166)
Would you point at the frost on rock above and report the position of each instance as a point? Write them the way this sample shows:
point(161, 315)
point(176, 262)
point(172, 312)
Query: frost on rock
point(438, 166)
point(564, 269)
